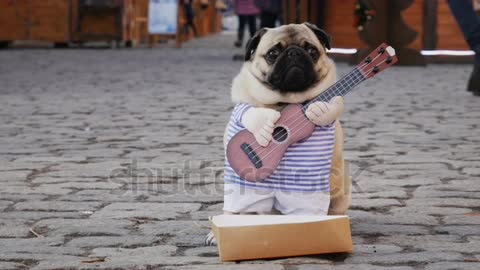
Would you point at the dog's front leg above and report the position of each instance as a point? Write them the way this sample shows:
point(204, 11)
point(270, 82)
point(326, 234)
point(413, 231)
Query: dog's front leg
point(210, 238)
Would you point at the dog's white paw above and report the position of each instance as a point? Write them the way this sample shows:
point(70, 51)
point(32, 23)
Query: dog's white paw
point(260, 122)
point(210, 239)
point(324, 113)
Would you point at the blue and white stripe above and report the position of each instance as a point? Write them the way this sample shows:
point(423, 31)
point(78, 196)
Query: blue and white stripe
point(305, 167)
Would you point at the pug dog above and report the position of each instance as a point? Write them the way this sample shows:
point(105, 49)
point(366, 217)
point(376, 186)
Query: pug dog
point(285, 65)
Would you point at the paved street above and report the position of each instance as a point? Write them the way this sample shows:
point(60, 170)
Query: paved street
point(112, 159)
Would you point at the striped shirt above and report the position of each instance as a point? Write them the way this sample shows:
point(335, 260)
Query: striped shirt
point(305, 166)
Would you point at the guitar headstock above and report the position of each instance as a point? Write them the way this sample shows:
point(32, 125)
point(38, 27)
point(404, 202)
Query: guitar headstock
point(378, 60)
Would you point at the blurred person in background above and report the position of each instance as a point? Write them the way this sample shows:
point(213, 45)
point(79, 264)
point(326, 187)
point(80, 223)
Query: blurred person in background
point(189, 14)
point(469, 22)
point(270, 11)
point(247, 12)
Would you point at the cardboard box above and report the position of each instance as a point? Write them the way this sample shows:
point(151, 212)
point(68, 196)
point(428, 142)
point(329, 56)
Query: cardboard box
point(246, 237)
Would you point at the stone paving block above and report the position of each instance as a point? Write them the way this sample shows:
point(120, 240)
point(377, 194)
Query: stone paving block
point(227, 267)
point(146, 210)
point(148, 257)
point(453, 266)
point(116, 195)
point(204, 251)
point(22, 197)
point(25, 190)
point(444, 191)
point(452, 202)
point(369, 204)
point(160, 251)
point(12, 266)
point(387, 229)
point(41, 261)
point(352, 267)
point(14, 228)
point(404, 218)
point(396, 194)
point(4, 204)
point(204, 215)
point(459, 230)
point(465, 219)
point(83, 185)
point(113, 241)
point(101, 169)
point(54, 180)
point(31, 161)
point(82, 227)
point(45, 245)
point(325, 259)
point(421, 210)
point(14, 176)
point(406, 258)
point(57, 206)
point(37, 215)
point(173, 227)
point(472, 171)
point(370, 249)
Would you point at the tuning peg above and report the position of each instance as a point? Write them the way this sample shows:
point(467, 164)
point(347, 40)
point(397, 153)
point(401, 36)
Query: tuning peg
point(381, 50)
point(389, 60)
point(375, 69)
point(368, 60)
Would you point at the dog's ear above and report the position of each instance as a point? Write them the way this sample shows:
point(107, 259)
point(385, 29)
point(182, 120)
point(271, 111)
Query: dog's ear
point(252, 43)
point(322, 36)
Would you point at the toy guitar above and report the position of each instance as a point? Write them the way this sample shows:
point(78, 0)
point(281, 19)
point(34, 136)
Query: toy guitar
point(253, 162)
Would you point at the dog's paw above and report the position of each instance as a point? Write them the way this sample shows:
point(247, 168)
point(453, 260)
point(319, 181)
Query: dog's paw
point(324, 113)
point(260, 122)
point(210, 239)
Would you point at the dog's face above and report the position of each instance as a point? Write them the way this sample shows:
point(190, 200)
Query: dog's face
point(290, 58)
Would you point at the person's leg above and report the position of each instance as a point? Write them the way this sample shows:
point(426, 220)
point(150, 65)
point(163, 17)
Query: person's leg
point(469, 22)
point(242, 20)
point(252, 24)
point(189, 14)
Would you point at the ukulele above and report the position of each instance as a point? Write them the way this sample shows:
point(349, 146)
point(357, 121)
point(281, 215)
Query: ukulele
point(254, 162)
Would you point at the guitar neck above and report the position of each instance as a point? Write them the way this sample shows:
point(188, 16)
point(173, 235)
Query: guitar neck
point(378, 60)
point(341, 87)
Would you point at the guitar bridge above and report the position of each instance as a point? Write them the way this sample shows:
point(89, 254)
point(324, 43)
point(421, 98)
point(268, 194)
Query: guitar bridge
point(252, 155)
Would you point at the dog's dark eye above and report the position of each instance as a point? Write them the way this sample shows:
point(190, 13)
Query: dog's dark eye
point(272, 55)
point(313, 52)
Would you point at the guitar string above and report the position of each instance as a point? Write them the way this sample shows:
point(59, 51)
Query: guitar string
point(329, 96)
point(368, 73)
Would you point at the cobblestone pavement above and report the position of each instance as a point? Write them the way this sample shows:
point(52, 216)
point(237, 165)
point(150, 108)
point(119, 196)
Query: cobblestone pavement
point(112, 159)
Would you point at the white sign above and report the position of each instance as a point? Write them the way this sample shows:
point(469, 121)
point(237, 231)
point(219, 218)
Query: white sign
point(162, 17)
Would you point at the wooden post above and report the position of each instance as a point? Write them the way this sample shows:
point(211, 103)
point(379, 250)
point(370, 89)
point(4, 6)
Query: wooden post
point(304, 11)
point(290, 11)
point(389, 26)
point(430, 34)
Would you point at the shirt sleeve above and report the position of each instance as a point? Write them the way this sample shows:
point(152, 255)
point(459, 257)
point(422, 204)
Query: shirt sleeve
point(239, 111)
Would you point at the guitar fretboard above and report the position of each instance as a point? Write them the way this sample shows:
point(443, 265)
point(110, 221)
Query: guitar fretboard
point(340, 88)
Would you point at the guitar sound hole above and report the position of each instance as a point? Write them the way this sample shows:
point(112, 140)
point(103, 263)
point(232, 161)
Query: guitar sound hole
point(280, 134)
